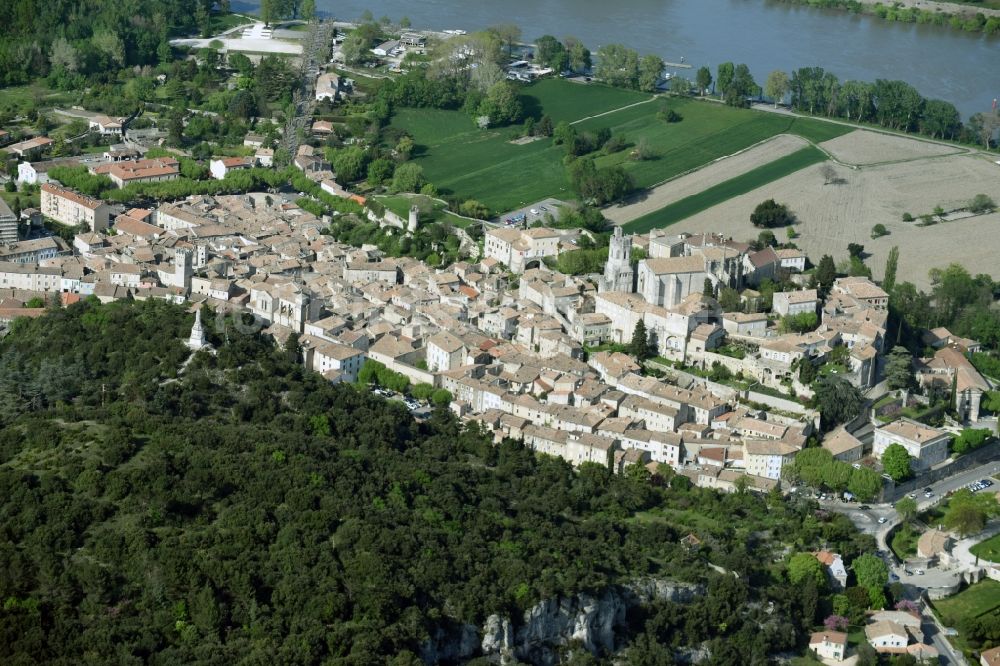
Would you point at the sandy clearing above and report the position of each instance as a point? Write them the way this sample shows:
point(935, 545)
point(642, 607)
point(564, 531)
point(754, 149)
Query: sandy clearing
point(707, 176)
point(831, 216)
point(863, 147)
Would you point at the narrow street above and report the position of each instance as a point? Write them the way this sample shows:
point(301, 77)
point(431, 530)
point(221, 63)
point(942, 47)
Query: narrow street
point(315, 53)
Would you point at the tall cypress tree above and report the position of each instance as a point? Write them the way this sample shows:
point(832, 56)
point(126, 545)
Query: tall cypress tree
point(639, 346)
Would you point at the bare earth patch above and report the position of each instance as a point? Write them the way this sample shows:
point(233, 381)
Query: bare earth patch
point(712, 174)
point(524, 140)
point(863, 147)
point(831, 216)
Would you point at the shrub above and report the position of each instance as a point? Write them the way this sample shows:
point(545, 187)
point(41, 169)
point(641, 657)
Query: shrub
point(879, 230)
point(907, 217)
point(981, 203)
point(969, 439)
point(770, 214)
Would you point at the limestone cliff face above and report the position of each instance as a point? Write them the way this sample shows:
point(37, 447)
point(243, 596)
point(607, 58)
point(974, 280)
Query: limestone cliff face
point(593, 621)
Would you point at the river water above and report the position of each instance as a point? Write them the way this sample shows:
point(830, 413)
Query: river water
point(940, 62)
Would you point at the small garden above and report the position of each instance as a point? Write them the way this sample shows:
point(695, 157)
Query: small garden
point(975, 613)
point(988, 550)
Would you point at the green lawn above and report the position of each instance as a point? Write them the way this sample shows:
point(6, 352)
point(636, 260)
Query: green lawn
point(974, 601)
point(400, 205)
point(223, 22)
point(471, 163)
point(832, 369)
point(716, 194)
point(988, 550)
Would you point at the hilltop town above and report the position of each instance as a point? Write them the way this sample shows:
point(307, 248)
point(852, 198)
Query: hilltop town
point(717, 394)
point(455, 232)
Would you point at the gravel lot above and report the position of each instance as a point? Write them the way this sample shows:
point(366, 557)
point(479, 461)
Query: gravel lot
point(705, 177)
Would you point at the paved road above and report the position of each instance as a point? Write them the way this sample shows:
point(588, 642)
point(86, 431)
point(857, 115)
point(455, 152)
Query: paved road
point(867, 521)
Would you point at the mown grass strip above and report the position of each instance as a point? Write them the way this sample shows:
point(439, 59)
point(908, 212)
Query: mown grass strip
point(733, 187)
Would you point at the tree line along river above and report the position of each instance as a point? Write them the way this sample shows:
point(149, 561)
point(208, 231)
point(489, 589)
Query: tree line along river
point(940, 62)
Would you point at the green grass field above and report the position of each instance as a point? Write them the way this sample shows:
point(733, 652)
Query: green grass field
point(974, 601)
point(18, 98)
point(471, 163)
point(988, 550)
point(563, 100)
point(733, 187)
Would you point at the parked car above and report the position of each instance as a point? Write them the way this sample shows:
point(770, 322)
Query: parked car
point(865, 507)
point(928, 489)
point(920, 572)
point(882, 520)
point(912, 496)
point(893, 578)
point(928, 494)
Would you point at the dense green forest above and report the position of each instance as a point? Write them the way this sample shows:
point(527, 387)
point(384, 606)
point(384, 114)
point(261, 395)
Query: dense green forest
point(86, 37)
point(243, 510)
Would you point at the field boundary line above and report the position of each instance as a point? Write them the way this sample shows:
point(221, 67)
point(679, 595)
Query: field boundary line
point(620, 108)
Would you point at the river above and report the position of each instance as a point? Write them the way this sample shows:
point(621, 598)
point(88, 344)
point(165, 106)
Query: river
point(940, 62)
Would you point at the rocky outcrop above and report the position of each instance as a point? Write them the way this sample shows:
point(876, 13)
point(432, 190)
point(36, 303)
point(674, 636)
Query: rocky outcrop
point(591, 621)
point(646, 590)
point(451, 644)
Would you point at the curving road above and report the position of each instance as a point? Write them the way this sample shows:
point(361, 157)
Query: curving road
point(866, 521)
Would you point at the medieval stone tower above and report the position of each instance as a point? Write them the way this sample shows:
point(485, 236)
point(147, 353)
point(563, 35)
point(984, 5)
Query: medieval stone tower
point(411, 225)
point(182, 268)
point(619, 274)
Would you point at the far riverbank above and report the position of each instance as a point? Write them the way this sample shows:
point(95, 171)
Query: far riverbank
point(940, 62)
point(956, 8)
point(951, 15)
